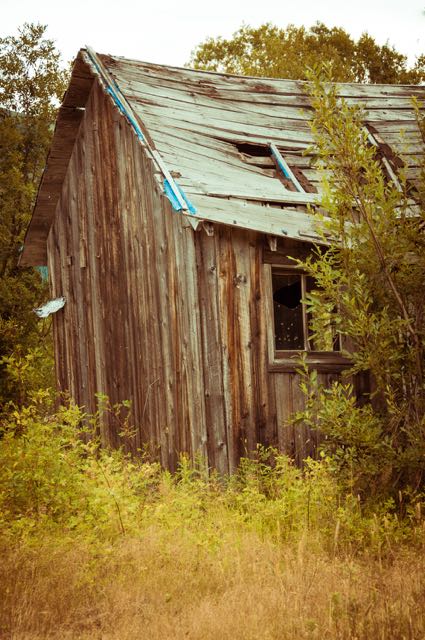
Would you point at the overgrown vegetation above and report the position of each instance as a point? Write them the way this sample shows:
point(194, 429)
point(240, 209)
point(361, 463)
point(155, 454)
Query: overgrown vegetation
point(371, 288)
point(95, 544)
point(371, 281)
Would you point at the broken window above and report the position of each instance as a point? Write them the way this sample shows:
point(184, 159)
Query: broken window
point(288, 311)
point(296, 326)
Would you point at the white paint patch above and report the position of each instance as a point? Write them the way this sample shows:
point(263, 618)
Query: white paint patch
point(50, 307)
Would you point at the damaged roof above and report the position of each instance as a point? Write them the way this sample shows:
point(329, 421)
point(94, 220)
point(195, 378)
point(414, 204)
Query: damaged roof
point(229, 149)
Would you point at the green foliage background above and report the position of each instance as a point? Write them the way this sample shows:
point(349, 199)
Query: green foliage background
point(289, 52)
point(32, 83)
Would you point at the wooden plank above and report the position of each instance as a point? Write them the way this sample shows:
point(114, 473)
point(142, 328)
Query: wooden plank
point(279, 221)
point(242, 83)
point(266, 352)
point(206, 173)
point(136, 381)
point(151, 95)
point(66, 129)
point(208, 291)
point(94, 256)
point(148, 93)
point(158, 330)
point(221, 118)
point(373, 104)
point(109, 283)
point(228, 332)
point(56, 288)
point(189, 310)
point(245, 322)
point(284, 407)
point(153, 418)
point(197, 148)
point(254, 133)
point(252, 192)
point(76, 202)
point(264, 408)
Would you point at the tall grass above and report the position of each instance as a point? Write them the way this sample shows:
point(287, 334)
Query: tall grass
point(95, 545)
point(164, 585)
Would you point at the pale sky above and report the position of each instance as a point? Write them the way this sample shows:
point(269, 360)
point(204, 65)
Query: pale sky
point(166, 31)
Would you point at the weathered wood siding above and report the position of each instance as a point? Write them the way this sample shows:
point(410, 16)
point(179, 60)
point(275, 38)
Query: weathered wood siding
point(175, 320)
point(249, 398)
point(238, 401)
point(131, 325)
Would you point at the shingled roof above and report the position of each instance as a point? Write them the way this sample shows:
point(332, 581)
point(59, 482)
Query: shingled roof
point(228, 149)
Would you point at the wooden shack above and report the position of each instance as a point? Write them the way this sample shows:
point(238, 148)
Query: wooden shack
point(169, 205)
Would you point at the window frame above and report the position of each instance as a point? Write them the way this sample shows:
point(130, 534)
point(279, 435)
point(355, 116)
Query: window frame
point(287, 360)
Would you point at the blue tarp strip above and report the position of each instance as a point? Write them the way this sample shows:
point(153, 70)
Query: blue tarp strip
point(169, 192)
point(124, 111)
point(281, 166)
point(117, 101)
point(44, 273)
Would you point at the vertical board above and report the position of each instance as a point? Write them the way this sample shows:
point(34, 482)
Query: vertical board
point(127, 265)
point(213, 373)
point(248, 401)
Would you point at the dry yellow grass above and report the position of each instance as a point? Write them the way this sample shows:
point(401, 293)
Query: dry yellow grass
point(165, 585)
point(94, 545)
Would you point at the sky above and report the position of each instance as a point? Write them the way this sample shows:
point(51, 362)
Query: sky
point(166, 32)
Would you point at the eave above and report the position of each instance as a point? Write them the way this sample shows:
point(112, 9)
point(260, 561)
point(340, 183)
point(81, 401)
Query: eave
point(70, 115)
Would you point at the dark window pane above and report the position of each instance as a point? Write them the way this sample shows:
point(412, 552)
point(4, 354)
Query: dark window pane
point(288, 312)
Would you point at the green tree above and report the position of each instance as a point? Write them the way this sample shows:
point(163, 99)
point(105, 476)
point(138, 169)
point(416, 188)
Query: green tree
point(372, 279)
point(287, 53)
point(31, 83)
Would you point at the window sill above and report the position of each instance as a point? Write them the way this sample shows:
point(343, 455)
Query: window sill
point(324, 361)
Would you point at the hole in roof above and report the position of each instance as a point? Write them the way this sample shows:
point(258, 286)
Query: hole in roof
point(385, 154)
point(259, 156)
point(250, 149)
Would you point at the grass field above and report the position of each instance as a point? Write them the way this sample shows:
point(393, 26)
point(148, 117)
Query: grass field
point(168, 585)
point(95, 545)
